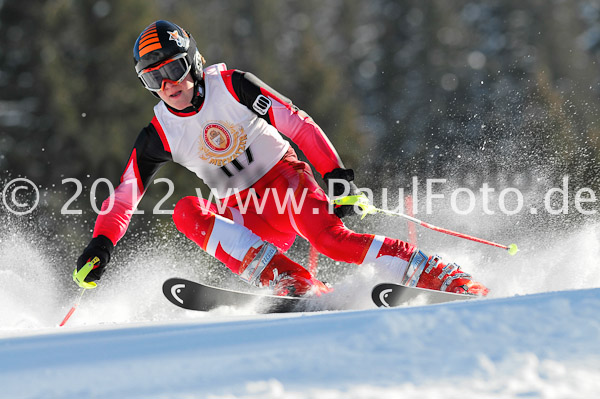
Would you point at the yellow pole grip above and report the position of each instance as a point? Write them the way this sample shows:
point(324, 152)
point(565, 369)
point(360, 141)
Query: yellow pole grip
point(79, 276)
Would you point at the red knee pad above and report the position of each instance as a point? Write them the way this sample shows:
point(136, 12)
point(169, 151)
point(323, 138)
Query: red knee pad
point(194, 218)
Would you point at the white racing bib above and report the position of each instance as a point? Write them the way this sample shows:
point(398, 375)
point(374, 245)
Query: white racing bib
point(225, 144)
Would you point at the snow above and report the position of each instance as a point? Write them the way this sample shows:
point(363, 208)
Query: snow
point(539, 345)
point(537, 336)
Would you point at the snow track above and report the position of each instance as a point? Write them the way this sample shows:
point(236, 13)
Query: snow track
point(540, 345)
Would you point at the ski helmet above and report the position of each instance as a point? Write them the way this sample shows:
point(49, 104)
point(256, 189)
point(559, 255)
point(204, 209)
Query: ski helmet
point(163, 40)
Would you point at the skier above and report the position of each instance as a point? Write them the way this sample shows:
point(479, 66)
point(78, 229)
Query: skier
point(224, 125)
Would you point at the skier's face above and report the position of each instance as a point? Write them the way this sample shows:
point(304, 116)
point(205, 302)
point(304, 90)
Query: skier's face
point(178, 95)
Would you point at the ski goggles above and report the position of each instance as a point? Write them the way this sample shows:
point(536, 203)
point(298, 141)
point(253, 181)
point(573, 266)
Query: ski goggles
point(173, 70)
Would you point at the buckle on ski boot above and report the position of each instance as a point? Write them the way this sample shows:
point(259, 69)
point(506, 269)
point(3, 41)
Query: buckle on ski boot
point(450, 279)
point(252, 272)
point(415, 268)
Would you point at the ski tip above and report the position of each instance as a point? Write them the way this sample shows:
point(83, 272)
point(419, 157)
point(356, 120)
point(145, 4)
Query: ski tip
point(512, 249)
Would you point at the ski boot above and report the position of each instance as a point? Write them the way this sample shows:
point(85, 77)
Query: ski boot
point(267, 266)
point(431, 273)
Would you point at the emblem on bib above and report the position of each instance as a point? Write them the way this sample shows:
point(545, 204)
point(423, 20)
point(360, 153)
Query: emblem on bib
point(221, 143)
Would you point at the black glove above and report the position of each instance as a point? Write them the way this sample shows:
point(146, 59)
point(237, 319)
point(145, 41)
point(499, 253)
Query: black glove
point(101, 247)
point(339, 188)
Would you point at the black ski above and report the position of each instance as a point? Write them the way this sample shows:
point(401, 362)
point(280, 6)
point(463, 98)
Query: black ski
point(197, 296)
point(389, 295)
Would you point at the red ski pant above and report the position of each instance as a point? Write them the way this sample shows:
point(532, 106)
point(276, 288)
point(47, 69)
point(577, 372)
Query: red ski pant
point(283, 204)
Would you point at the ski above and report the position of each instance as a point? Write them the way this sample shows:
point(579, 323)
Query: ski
point(193, 295)
point(390, 295)
point(197, 296)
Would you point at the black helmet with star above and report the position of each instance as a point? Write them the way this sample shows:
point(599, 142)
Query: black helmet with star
point(163, 40)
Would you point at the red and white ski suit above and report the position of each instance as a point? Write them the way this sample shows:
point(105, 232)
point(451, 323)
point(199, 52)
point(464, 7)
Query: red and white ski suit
point(233, 143)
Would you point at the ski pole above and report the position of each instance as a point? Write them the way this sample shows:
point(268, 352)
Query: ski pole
point(79, 277)
point(367, 208)
point(313, 260)
point(68, 316)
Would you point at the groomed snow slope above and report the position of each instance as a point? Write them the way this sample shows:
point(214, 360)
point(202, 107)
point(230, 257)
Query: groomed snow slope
point(541, 345)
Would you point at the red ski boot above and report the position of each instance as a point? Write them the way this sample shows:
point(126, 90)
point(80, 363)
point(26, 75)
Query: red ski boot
point(429, 272)
point(266, 266)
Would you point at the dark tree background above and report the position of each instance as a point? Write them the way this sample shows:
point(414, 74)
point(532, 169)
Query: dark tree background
point(473, 91)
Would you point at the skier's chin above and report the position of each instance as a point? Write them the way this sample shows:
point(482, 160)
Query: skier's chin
point(177, 99)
